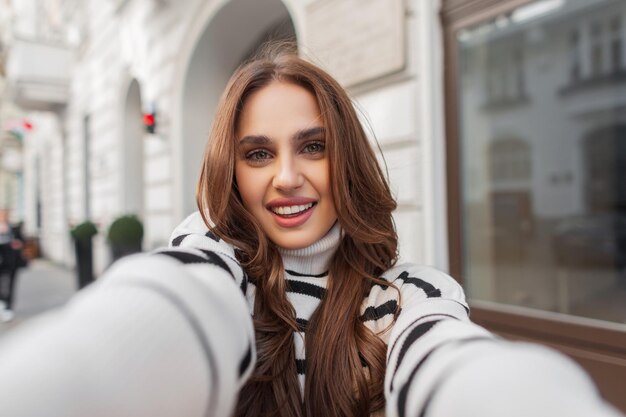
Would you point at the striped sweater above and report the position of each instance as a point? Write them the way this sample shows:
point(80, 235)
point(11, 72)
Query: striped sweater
point(431, 336)
point(170, 334)
point(427, 294)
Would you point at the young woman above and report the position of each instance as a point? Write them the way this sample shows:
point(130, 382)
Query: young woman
point(281, 296)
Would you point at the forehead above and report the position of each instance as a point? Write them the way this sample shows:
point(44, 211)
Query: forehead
point(277, 109)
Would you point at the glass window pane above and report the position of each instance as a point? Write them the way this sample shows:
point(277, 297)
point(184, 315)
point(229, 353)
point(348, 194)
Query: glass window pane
point(543, 172)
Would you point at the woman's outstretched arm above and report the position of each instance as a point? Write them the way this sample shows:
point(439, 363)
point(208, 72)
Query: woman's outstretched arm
point(166, 334)
point(442, 365)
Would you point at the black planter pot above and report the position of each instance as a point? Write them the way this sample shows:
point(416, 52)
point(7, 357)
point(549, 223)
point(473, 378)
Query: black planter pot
point(119, 251)
point(84, 262)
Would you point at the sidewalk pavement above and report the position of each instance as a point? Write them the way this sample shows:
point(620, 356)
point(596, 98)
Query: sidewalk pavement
point(40, 287)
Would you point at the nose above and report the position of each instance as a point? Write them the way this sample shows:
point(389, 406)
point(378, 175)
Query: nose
point(288, 175)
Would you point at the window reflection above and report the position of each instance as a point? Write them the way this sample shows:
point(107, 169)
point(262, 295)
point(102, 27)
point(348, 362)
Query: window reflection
point(617, 45)
point(543, 138)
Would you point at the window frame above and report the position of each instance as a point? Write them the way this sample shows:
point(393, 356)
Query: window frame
point(599, 346)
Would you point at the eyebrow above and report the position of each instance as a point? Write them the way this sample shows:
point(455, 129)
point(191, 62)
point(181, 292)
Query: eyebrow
point(300, 135)
point(308, 133)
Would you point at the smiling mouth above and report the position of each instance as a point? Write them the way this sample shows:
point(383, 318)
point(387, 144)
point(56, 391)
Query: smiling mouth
point(292, 211)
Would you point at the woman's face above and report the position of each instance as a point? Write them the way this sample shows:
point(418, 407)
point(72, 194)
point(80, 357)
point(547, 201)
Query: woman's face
point(282, 167)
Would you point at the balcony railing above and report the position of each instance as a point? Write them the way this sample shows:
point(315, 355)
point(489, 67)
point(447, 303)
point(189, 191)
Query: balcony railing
point(38, 74)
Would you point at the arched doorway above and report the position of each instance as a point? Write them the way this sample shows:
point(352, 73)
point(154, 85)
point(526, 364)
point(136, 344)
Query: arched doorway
point(132, 180)
point(231, 35)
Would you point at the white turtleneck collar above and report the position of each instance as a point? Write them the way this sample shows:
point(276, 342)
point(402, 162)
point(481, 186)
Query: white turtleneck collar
point(313, 260)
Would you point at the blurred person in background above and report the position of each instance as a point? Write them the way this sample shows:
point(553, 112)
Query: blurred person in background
point(10, 257)
point(282, 296)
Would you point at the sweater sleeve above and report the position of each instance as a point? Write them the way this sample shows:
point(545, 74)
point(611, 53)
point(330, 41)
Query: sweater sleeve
point(440, 364)
point(159, 334)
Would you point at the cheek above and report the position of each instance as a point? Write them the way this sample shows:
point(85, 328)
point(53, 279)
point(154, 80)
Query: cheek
point(323, 180)
point(249, 187)
point(322, 184)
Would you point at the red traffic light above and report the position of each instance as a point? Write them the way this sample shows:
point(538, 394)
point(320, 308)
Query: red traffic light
point(149, 122)
point(148, 119)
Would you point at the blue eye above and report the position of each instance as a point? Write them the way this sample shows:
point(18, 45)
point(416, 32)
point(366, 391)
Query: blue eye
point(314, 147)
point(258, 155)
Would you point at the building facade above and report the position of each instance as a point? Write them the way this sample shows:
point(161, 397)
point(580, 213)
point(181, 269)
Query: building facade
point(501, 123)
point(93, 158)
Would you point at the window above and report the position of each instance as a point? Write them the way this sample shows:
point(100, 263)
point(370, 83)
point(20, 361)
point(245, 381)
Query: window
point(574, 53)
point(505, 82)
point(536, 193)
point(617, 63)
point(566, 222)
point(509, 160)
point(597, 49)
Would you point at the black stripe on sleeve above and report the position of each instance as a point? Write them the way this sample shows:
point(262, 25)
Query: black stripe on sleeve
point(375, 313)
point(402, 397)
point(303, 325)
point(466, 308)
point(196, 328)
point(305, 288)
point(184, 257)
point(427, 287)
point(244, 283)
point(299, 274)
point(212, 235)
point(301, 366)
point(417, 332)
point(245, 361)
point(215, 259)
point(408, 328)
point(190, 258)
point(179, 239)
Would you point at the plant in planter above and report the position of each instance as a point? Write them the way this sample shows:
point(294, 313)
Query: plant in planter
point(84, 231)
point(125, 236)
point(82, 234)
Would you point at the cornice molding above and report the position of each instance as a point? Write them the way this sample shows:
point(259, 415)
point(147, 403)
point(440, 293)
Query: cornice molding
point(453, 11)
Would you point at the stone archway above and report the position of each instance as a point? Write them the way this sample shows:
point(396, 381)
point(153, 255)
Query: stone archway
point(230, 35)
point(133, 155)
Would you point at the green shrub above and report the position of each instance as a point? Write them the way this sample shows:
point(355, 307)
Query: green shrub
point(84, 231)
point(125, 231)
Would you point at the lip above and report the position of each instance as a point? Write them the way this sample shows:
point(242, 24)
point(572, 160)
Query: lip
point(295, 221)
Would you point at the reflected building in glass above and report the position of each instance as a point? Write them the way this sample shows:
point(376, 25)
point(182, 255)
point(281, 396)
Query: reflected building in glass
point(542, 122)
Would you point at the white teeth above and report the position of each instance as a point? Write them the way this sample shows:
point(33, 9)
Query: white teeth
point(291, 209)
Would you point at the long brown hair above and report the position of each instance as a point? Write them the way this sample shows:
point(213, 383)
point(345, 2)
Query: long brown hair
point(337, 341)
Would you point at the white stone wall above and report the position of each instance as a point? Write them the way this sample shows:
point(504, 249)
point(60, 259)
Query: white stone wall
point(406, 116)
point(136, 41)
point(43, 166)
